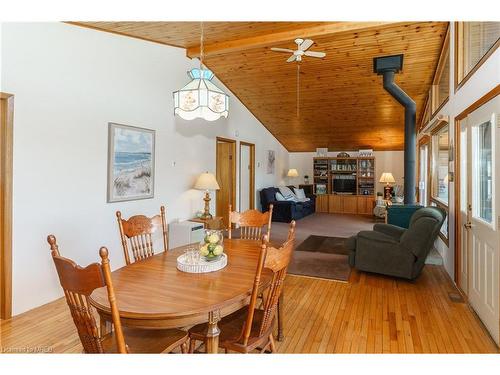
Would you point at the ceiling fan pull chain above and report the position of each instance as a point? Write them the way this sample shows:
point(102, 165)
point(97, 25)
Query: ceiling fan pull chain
point(298, 89)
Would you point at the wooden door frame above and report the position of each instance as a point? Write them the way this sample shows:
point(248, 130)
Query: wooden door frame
point(6, 157)
point(252, 174)
point(233, 190)
point(458, 224)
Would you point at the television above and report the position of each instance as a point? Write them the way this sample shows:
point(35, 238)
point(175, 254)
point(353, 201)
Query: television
point(344, 185)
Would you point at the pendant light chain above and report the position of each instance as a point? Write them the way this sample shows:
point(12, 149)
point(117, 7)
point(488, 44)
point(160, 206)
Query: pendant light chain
point(201, 45)
point(201, 98)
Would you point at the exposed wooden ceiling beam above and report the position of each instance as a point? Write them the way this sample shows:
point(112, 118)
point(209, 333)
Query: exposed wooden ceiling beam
point(284, 36)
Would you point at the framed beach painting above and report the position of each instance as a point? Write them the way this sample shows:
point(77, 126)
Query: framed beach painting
point(131, 163)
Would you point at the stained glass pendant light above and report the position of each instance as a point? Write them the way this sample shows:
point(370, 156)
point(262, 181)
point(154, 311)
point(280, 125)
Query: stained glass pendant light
point(201, 98)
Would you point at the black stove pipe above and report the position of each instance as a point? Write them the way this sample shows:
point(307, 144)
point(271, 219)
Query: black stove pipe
point(410, 135)
point(383, 66)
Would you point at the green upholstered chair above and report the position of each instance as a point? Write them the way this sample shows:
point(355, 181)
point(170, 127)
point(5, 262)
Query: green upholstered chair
point(400, 214)
point(395, 251)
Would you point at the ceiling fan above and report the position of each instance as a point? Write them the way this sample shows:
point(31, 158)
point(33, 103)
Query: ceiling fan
point(302, 46)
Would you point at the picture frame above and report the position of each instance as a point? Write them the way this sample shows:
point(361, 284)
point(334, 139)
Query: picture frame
point(131, 163)
point(271, 161)
point(320, 189)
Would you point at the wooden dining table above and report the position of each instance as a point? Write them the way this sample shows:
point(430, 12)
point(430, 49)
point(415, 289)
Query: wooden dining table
point(154, 294)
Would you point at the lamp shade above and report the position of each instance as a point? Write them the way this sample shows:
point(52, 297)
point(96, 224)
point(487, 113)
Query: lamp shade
point(292, 173)
point(387, 178)
point(200, 98)
point(206, 181)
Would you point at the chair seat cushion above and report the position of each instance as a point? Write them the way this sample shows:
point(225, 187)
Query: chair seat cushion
point(146, 340)
point(231, 327)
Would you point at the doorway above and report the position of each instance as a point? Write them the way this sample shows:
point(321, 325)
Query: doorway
point(478, 206)
point(226, 177)
point(247, 176)
point(6, 131)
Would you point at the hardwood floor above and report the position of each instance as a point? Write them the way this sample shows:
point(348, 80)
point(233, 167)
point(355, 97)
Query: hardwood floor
point(377, 314)
point(369, 314)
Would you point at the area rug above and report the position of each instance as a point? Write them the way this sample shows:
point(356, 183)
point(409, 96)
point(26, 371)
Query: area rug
point(323, 257)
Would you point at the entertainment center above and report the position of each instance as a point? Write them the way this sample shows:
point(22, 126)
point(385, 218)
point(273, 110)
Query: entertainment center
point(344, 184)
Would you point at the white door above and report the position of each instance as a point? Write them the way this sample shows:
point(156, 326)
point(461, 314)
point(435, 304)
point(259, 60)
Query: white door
point(482, 227)
point(245, 178)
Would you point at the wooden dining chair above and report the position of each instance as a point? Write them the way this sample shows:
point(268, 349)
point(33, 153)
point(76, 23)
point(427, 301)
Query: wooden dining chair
point(251, 327)
point(136, 234)
point(250, 223)
point(78, 284)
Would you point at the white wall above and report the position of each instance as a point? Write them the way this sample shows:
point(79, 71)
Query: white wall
point(480, 83)
point(69, 82)
point(385, 161)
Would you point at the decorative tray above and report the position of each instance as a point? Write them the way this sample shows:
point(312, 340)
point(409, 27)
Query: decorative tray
point(202, 266)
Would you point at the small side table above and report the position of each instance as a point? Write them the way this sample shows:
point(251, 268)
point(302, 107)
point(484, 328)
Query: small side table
point(213, 223)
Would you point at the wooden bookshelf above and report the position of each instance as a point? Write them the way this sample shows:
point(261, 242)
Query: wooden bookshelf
point(344, 184)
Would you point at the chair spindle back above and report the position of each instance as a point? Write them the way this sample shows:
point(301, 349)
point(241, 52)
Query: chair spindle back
point(250, 223)
point(78, 284)
point(136, 234)
point(276, 260)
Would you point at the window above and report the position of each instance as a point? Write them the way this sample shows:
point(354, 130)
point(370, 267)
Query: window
point(426, 117)
point(475, 42)
point(440, 156)
point(440, 88)
point(441, 82)
point(443, 232)
point(423, 170)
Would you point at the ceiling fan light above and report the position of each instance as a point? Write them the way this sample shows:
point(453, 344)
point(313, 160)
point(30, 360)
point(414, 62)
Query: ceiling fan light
point(201, 98)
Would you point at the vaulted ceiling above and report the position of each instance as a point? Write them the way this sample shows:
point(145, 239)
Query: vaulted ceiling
point(342, 104)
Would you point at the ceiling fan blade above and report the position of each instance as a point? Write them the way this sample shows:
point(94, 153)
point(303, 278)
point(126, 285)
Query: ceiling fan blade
point(315, 54)
point(306, 44)
point(281, 50)
point(291, 58)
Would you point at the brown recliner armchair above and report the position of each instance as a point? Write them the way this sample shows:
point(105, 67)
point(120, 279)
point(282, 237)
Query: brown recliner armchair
point(395, 251)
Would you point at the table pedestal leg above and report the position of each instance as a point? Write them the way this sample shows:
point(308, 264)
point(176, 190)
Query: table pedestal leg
point(212, 344)
point(280, 317)
point(106, 326)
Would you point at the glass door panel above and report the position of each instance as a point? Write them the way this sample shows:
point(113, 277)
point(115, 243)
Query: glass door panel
point(482, 200)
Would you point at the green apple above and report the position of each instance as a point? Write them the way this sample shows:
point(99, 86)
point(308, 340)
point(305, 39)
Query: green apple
point(204, 250)
point(218, 250)
point(213, 238)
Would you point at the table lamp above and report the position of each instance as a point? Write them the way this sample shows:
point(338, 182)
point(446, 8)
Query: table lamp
point(206, 181)
point(292, 172)
point(387, 178)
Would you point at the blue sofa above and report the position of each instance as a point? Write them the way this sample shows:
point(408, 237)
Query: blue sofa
point(285, 211)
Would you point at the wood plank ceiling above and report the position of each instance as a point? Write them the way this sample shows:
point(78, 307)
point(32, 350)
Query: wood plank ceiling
point(342, 103)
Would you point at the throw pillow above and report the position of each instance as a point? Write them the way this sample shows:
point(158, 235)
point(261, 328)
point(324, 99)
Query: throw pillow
point(279, 197)
point(287, 193)
point(300, 193)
